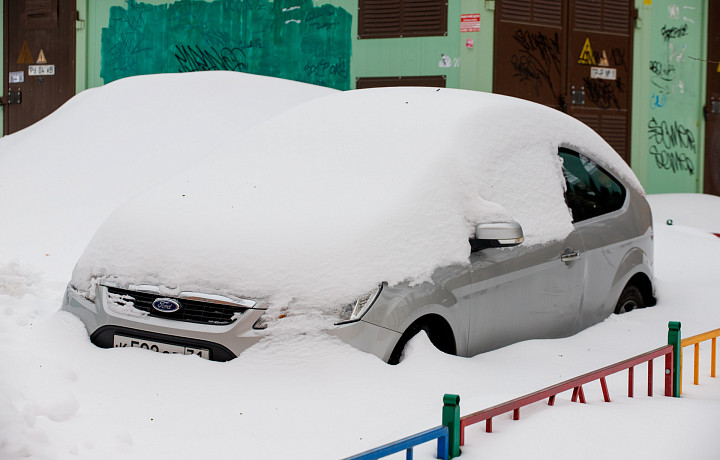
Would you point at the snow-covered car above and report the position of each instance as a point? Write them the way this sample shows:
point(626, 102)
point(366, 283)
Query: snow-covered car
point(372, 215)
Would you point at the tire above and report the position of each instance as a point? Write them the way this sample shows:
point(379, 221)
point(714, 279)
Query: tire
point(404, 339)
point(439, 332)
point(630, 299)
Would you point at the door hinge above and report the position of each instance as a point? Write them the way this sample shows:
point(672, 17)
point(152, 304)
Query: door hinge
point(79, 23)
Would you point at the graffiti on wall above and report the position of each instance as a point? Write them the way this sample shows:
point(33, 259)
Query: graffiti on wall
point(290, 39)
point(672, 129)
point(672, 146)
point(537, 58)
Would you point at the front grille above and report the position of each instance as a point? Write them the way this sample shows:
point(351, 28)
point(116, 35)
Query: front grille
point(191, 311)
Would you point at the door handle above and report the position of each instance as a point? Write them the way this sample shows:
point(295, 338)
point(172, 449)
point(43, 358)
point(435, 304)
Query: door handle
point(570, 256)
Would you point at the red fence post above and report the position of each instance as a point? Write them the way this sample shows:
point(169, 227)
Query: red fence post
point(631, 381)
point(650, 377)
point(603, 385)
point(669, 378)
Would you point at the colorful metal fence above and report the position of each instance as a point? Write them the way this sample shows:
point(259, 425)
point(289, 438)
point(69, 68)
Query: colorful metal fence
point(696, 340)
point(451, 434)
point(575, 384)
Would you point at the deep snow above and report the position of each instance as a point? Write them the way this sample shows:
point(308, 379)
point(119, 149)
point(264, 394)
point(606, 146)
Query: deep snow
point(308, 395)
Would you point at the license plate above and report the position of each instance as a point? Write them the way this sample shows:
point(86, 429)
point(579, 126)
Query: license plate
point(120, 341)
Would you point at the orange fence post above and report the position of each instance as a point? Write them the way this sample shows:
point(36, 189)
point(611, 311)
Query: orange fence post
point(696, 371)
point(712, 357)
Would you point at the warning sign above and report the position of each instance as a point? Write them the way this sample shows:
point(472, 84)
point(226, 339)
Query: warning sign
point(25, 55)
point(470, 22)
point(586, 55)
point(718, 69)
point(41, 58)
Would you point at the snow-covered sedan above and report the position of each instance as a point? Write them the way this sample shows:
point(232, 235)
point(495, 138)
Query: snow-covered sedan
point(372, 215)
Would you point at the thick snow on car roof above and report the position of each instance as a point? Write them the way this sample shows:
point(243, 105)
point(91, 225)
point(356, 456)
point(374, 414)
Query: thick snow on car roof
point(108, 143)
point(322, 202)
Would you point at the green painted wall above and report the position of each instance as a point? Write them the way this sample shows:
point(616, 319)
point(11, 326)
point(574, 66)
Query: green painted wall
point(286, 38)
point(102, 60)
point(669, 69)
point(469, 67)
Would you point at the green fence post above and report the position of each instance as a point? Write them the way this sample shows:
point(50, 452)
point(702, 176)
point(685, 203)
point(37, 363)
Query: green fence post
point(675, 340)
point(451, 419)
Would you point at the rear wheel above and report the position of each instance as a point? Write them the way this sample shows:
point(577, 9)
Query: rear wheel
point(630, 299)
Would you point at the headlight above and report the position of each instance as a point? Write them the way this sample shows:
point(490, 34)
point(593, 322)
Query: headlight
point(355, 310)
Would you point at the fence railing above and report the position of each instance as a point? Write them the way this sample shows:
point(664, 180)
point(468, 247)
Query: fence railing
point(440, 433)
point(575, 384)
point(696, 340)
point(451, 434)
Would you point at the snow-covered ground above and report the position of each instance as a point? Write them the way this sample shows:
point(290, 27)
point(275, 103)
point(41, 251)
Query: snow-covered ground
point(308, 395)
point(314, 397)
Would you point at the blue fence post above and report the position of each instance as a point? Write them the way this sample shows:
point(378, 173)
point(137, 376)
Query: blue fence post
point(451, 419)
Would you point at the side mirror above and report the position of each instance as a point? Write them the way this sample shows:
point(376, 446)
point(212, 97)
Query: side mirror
point(497, 235)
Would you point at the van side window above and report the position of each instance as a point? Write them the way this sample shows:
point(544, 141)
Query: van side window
point(591, 191)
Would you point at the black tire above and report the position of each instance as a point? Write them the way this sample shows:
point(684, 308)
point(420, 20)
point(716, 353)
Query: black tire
point(630, 299)
point(439, 333)
point(404, 339)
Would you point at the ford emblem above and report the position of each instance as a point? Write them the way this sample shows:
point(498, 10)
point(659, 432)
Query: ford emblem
point(166, 305)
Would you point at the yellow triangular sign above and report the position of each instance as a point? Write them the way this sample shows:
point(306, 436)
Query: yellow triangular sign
point(41, 58)
point(25, 55)
point(718, 69)
point(586, 55)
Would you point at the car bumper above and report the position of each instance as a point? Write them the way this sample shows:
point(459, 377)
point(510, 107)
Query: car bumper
point(224, 342)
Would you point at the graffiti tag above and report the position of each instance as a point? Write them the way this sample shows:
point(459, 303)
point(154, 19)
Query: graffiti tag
point(537, 58)
point(194, 58)
point(672, 146)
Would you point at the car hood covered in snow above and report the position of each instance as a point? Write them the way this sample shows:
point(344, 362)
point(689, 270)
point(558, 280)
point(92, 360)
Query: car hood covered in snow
point(317, 205)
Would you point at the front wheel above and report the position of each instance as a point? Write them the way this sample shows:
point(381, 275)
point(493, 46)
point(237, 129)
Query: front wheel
point(439, 332)
point(630, 299)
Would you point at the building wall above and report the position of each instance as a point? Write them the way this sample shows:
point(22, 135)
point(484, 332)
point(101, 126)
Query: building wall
point(318, 43)
point(669, 92)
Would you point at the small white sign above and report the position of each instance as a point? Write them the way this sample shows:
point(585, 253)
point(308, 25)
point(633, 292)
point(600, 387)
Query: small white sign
point(41, 70)
point(16, 77)
point(603, 73)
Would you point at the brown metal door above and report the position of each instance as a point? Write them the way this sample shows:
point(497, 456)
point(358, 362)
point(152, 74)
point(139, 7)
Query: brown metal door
point(600, 68)
point(712, 104)
point(573, 55)
point(39, 59)
point(530, 50)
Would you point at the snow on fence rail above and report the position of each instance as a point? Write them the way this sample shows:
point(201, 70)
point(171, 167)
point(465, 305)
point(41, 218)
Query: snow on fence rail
point(451, 434)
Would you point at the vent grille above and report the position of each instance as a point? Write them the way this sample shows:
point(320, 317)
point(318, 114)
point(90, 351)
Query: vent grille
point(539, 12)
point(402, 18)
point(611, 128)
point(192, 311)
point(610, 16)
